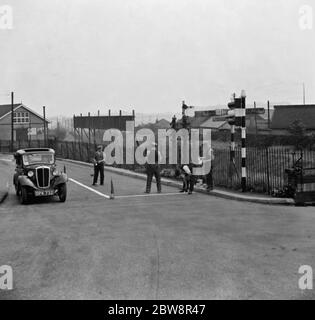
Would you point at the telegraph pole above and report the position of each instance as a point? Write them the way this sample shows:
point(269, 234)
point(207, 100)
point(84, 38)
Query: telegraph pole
point(29, 133)
point(268, 106)
point(44, 115)
point(12, 121)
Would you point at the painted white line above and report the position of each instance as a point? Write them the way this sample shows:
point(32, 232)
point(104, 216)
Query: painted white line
point(90, 189)
point(8, 160)
point(150, 195)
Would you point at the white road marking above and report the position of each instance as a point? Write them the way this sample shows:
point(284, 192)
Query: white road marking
point(150, 195)
point(125, 196)
point(90, 189)
point(8, 160)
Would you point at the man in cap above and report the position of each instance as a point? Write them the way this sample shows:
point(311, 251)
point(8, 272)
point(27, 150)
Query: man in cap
point(153, 167)
point(99, 162)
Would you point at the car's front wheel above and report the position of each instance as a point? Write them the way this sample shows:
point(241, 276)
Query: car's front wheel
point(17, 190)
point(62, 192)
point(23, 195)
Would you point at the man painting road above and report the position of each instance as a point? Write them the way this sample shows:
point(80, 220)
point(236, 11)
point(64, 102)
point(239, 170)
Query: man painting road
point(153, 168)
point(99, 162)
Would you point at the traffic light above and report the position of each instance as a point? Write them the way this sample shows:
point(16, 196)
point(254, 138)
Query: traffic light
point(185, 107)
point(233, 116)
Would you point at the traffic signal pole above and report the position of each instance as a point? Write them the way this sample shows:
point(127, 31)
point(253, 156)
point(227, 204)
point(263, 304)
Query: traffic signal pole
point(12, 122)
point(232, 121)
point(233, 143)
point(243, 128)
point(237, 118)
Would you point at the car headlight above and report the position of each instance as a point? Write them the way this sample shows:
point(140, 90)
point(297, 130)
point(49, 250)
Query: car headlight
point(30, 174)
point(55, 172)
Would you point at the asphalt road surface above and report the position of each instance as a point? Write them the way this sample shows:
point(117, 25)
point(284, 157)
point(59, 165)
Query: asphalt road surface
point(168, 246)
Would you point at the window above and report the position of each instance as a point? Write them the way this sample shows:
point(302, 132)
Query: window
point(33, 158)
point(21, 117)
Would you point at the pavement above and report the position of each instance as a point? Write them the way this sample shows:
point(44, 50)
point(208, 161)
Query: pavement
point(157, 246)
point(219, 192)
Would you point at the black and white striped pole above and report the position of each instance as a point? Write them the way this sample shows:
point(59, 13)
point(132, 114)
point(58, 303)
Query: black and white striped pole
point(233, 143)
point(231, 117)
point(237, 118)
point(243, 132)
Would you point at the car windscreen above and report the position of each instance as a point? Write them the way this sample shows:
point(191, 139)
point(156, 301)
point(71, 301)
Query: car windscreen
point(34, 158)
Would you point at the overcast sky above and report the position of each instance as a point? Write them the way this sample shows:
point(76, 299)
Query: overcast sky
point(82, 55)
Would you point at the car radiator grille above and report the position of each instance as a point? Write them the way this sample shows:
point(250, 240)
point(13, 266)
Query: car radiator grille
point(43, 177)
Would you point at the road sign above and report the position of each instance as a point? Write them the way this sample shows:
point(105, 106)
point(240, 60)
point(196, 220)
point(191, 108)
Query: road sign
point(31, 131)
point(221, 112)
point(255, 111)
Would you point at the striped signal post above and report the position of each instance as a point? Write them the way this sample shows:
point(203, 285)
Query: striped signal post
point(237, 118)
point(232, 153)
point(233, 143)
point(231, 117)
point(243, 130)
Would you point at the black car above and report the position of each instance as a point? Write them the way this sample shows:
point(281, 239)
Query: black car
point(36, 175)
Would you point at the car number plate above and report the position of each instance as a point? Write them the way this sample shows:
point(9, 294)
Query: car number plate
point(43, 193)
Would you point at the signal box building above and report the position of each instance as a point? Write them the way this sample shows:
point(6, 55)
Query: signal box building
point(26, 122)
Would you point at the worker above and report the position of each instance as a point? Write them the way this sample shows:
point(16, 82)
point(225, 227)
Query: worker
point(185, 174)
point(189, 179)
point(99, 162)
point(153, 159)
point(208, 160)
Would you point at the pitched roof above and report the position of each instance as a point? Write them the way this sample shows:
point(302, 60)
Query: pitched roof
point(284, 115)
point(163, 124)
point(195, 122)
point(6, 108)
point(210, 123)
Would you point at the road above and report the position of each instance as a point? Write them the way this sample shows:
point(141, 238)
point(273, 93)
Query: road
point(168, 246)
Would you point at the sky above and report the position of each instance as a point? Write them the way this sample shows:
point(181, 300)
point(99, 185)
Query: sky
point(76, 56)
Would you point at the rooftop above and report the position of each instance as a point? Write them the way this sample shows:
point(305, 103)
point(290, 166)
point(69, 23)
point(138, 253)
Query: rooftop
point(6, 108)
point(284, 115)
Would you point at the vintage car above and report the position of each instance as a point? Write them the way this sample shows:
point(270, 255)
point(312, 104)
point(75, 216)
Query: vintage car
point(36, 175)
